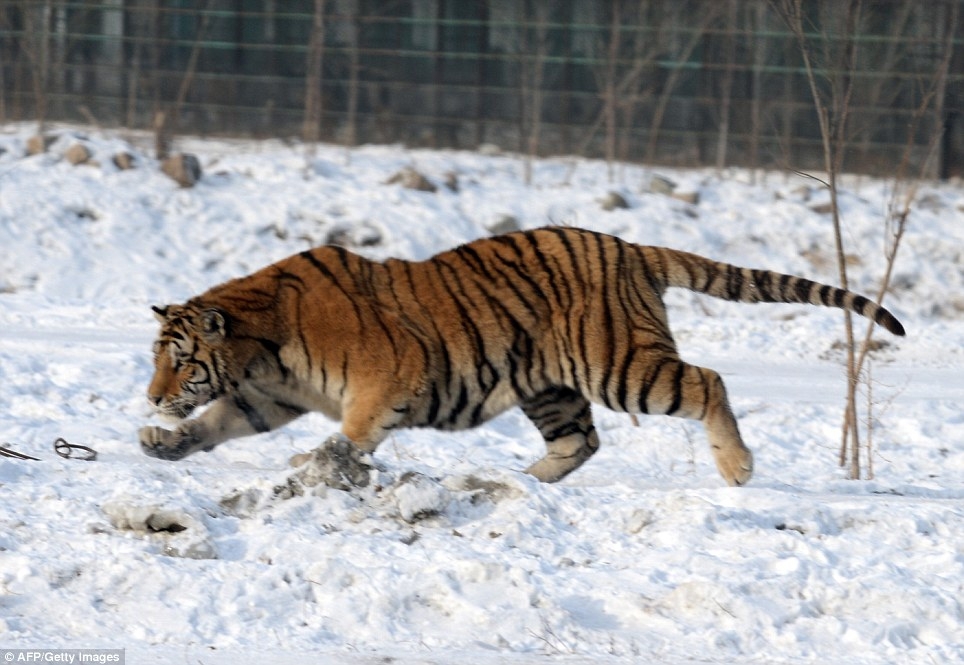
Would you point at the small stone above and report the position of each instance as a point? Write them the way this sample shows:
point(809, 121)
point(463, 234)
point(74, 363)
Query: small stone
point(124, 161)
point(362, 235)
point(661, 185)
point(451, 179)
point(183, 168)
point(614, 201)
point(686, 197)
point(503, 224)
point(77, 154)
point(409, 178)
point(38, 143)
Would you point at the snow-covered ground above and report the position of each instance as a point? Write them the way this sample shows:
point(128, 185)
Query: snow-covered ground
point(643, 555)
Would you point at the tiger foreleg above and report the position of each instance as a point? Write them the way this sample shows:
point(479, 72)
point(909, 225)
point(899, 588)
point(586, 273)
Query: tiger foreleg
point(171, 444)
point(564, 418)
point(227, 418)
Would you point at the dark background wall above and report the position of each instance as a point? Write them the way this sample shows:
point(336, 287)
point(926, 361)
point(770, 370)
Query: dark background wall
point(683, 82)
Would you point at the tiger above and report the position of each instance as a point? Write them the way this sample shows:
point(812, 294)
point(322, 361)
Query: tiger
point(551, 320)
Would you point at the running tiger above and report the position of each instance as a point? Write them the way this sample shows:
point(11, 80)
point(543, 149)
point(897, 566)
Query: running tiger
point(550, 320)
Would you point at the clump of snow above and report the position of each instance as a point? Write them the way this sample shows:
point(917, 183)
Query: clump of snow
point(450, 553)
point(417, 497)
point(181, 533)
point(336, 463)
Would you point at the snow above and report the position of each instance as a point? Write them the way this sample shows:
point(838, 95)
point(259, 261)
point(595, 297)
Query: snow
point(451, 554)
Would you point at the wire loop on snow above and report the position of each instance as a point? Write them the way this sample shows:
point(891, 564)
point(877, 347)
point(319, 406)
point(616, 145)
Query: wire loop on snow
point(74, 451)
point(10, 452)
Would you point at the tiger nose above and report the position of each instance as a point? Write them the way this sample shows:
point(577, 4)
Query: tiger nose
point(155, 399)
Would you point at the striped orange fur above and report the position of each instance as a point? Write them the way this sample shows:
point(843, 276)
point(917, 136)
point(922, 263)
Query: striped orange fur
point(549, 320)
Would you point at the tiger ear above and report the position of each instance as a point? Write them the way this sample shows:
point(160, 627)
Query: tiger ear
point(160, 313)
point(213, 325)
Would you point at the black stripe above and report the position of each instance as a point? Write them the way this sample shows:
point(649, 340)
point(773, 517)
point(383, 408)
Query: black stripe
point(609, 325)
point(518, 272)
point(437, 342)
point(274, 349)
point(306, 352)
point(677, 390)
point(654, 284)
point(472, 331)
point(622, 387)
point(784, 281)
point(565, 429)
point(254, 418)
point(471, 257)
point(494, 300)
point(511, 241)
point(285, 276)
point(433, 405)
point(706, 393)
point(654, 292)
point(563, 236)
point(650, 381)
point(290, 408)
point(327, 272)
point(460, 403)
point(734, 283)
point(497, 306)
point(558, 276)
point(764, 284)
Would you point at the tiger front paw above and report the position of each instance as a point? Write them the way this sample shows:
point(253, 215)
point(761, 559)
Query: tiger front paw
point(163, 444)
point(736, 466)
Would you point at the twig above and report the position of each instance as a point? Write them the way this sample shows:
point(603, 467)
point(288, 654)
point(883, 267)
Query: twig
point(9, 452)
point(870, 424)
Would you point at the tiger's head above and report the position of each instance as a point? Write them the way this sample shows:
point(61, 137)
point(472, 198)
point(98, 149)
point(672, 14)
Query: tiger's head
point(189, 359)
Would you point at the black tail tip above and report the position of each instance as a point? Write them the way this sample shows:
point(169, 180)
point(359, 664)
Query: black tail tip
point(890, 322)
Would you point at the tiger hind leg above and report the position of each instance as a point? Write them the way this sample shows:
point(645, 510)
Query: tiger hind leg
point(564, 418)
point(688, 391)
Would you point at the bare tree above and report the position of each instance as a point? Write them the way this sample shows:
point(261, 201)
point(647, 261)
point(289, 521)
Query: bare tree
point(710, 15)
point(832, 105)
point(311, 129)
point(5, 56)
point(758, 19)
point(535, 19)
point(879, 93)
point(624, 79)
point(610, 99)
point(35, 45)
point(167, 117)
point(354, 69)
point(906, 187)
point(832, 93)
point(726, 92)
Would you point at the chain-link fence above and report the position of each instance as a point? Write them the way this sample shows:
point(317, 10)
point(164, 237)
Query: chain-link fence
point(686, 82)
